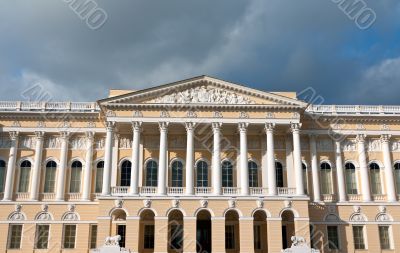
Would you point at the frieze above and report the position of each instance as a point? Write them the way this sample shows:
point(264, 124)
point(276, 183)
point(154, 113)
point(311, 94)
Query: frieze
point(99, 143)
point(395, 146)
point(5, 141)
point(27, 142)
point(125, 143)
point(374, 145)
point(78, 143)
point(177, 141)
point(324, 144)
point(52, 142)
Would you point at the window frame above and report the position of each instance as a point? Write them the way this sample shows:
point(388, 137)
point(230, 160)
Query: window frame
point(336, 242)
point(93, 239)
point(389, 235)
point(353, 175)
point(98, 180)
point(27, 185)
point(364, 241)
point(227, 173)
point(3, 172)
point(253, 174)
point(125, 173)
point(279, 178)
point(71, 180)
point(50, 186)
point(10, 234)
point(37, 236)
point(376, 186)
point(202, 174)
point(150, 181)
point(64, 236)
point(177, 173)
point(326, 174)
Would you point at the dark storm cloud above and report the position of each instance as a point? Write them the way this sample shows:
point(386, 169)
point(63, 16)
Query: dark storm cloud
point(271, 45)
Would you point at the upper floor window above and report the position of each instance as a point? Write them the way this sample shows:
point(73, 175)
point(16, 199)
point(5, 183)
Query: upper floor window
point(50, 176)
point(99, 177)
point(350, 174)
point(227, 174)
point(177, 174)
point(375, 178)
point(2, 175)
point(279, 174)
point(126, 173)
point(202, 174)
point(76, 174)
point(326, 178)
point(253, 174)
point(24, 176)
point(397, 176)
point(305, 177)
point(151, 173)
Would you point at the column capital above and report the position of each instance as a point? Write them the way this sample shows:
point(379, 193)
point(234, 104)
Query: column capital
point(110, 125)
point(136, 126)
point(190, 126)
point(64, 135)
point(242, 126)
point(216, 126)
point(163, 126)
point(295, 127)
point(14, 135)
point(89, 135)
point(39, 135)
point(385, 138)
point(269, 127)
point(361, 137)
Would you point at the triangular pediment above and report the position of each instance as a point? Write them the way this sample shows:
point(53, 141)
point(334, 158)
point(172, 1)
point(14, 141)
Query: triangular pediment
point(202, 90)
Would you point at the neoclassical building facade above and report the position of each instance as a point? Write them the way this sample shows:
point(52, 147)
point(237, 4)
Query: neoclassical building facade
point(199, 165)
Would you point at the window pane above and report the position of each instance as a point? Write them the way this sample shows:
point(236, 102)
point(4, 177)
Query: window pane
point(257, 237)
point(397, 176)
point(202, 174)
point(76, 172)
point(230, 237)
point(151, 173)
point(227, 174)
point(375, 178)
point(177, 174)
point(176, 237)
point(279, 174)
point(126, 173)
point(351, 184)
point(358, 237)
point(93, 237)
point(14, 236)
point(2, 175)
point(384, 237)
point(50, 176)
point(333, 237)
point(99, 177)
point(253, 174)
point(149, 236)
point(24, 177)
point(305, 178)
point(326, 178)
point(42, 236)
point(69, 236)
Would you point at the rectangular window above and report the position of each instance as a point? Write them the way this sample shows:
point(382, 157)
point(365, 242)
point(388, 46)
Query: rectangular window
point(42, 236)
point(24, 179)
point(149, 236)
point(351, 185)
point(50, 179)
point(358, 237)
point(230, 237)
point(69, 234)
point(75, 183)
point(14, 236)
point(93, 237)
point(257, 237)
point(333, 237)
point(176, 237)
point(384, 237)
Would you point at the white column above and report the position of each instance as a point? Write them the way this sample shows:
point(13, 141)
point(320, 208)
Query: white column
point(60, 191)
point(340, 172)
point(189, 157)
point(244, 170)
point(162, 166)
point(216, 159)
point(298, 169)
point(106, 190)
point(8, 189)
point(271, 176)
point(37, 165)
point(87, 178)
point(136, 128)
point(315, 169)
point(362, 160)
point(390, 187)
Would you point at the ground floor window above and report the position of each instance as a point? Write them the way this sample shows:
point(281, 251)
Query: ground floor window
point(93, 237)
point(333, 237)
point(176, 237)
point(69, 234)
point(230, 237)
point(384, 237)
point(149, 236)
point(42, 236)
point(14, 236)
point(358, 237)
point(257, 237)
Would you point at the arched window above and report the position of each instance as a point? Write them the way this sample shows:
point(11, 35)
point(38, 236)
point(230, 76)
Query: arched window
point(227, 174)
point(351, 183)
point(76, 173)
point(151, 173)
point(279, 174)
point(326, 178)
point(99, 177)
point(126, 173)
point(177, 174)
point(253, 174)
point(305, 177)
point(24, 176)
point(374, 174)
point(397, 176)
point(50, 176)
point(2, 174)
point(202, 174)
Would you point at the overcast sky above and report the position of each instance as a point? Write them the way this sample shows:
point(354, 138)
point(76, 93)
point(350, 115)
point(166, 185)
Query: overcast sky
point(272, 45)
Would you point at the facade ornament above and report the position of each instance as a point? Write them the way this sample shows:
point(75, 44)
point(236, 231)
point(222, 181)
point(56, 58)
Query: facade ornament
point(296, 115)
point(242, 126)
point(260, 203)
point(382, 209)
point(70, 216)
point(360, 127)
point(16, 216)
point(190, 126)
point(175, 203)
point(136, 125)
point(332, 218)
point(41, 124)
point(66, 124)
point(357, 216)
point(110, 125)
point(45, 208)
point(385, 127)
point(39, 134)
point(16, 123)
point(91, 124)
point(216, 126)
point(269, 126)
point(324, 144)
point(295, 127)
point(385, 138)
point(298, 240)
point(163, 126)
point(125, 143)
point(18, 208)
point(270, 115)
point(383, 216)
point(299, 244)
point(357, 209)
point(112, 240)
point(243, 115)
point(232, 203)
point(147, 203)
point(137, 114)
point(110, 113)
point(14, 135)
point(43, 216)
point(71, 207)
point(203, 95)
point(349, 145)
point(118, 203)
point(332, 209)
point(374, 145)
point(361, 137)
point(191, 114)
point(217, 114)
point(164, 114)
point(78, 143)
point(288, 203)
point(204, 203)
